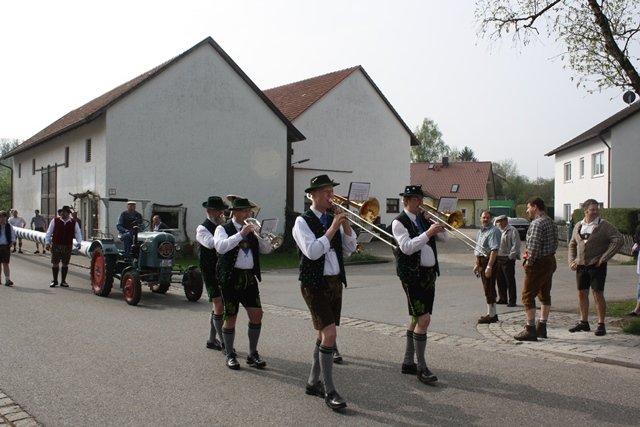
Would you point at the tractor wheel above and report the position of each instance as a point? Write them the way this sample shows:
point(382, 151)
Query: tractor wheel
point(160, 288)
point(192, 283)
point(131, 287)
point(101, 273)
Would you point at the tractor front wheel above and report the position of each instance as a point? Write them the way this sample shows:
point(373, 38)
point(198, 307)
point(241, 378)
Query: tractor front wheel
point(192, 283)
point(101, 273)
point(131, 287)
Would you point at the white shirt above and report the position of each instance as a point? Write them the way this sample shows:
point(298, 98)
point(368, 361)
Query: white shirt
point(586, 228)
point(314, 248)
point(204, 237)
point(17, 221)
point(224, 243)
point(409, 246)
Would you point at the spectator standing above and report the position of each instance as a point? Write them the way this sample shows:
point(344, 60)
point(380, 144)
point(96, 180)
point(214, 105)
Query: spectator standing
point(17, 221)
point(636, 249)
point(59, 240)
point(489, 241)
point(508, 253)
point(594, 241)
point(539, 266)
point(7, 238)
point(38, 223)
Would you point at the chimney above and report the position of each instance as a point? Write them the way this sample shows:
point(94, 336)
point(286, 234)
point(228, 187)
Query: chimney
point(445, 161)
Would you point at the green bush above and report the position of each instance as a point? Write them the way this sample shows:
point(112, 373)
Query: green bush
point(624, 219)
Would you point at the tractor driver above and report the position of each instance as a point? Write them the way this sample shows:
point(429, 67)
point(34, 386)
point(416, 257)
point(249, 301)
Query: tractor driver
point(128, 219)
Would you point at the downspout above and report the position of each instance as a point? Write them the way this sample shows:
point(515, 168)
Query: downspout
point(608, 169)
point(11, 187)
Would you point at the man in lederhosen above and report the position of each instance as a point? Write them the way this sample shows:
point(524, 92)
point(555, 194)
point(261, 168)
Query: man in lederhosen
point(323, 240)
point(238, 271)
point(215, 207)
point(59, 241)
point(417, 268)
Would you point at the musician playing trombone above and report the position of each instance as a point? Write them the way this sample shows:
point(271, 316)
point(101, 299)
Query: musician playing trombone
point(417, 268)
point(323, 240)
point(238, 270)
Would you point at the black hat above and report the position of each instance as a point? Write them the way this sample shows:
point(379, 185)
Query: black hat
point(3, 213)
point(215, 202)
point(413, 190)
point(240, 203)
point(320, 181)
point(65, 208)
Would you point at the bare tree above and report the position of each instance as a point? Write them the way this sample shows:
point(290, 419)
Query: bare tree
point(600, 37)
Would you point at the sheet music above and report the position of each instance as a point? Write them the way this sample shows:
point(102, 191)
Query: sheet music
point(359, 191)
point(269, 226)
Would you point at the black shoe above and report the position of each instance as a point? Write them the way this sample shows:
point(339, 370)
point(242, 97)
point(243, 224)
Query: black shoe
point(426, 376)
point(14, 251)
point(502, 302)
point(255, 361)
point(600, 330)
point(316, 389)
point(20, 251)
point(64, 285)
point(633, 314)
point(511, 304)
point(53, 284)
point(484, 320)
point(580, 327)
point(337, 358)
point(232, 362)
point(335, 401)
point(215, 345)
point(36, 252)
point(411, 369)
point(8, 283)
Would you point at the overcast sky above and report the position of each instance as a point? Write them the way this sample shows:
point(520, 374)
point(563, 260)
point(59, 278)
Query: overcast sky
point(503, 101)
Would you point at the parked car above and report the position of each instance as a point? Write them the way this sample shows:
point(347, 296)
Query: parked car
point(520, 224)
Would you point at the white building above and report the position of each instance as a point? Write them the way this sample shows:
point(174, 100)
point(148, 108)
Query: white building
point(601, 163)
point(192, 127)
point(353, 134)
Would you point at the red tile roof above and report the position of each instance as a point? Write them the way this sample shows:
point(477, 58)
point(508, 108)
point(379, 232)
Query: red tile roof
point(472, 179)
point(98, 106)
point(294, 99)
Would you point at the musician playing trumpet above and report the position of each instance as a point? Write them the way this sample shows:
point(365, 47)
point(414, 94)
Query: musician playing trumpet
point(323, 240)
point(238, 270)
point(417, 267)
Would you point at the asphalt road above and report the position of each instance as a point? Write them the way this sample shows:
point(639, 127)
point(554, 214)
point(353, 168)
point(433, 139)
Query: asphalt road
point(70, 358)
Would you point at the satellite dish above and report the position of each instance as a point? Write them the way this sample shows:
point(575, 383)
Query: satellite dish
point(629, 96)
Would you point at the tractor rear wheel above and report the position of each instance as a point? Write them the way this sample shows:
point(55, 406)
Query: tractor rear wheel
point(131, 287)
point(101, 273)
point(192, 283)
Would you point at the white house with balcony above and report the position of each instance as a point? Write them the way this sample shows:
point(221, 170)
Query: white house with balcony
point(602, 163)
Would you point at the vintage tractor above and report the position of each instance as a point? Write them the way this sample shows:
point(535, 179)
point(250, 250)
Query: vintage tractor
point(150, 261)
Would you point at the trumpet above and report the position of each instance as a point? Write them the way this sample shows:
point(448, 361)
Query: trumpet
point(452, 221)
point(275, 240)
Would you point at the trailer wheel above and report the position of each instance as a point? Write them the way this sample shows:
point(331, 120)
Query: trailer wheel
point(192, 283)
point(131, 287)
point(101, 273)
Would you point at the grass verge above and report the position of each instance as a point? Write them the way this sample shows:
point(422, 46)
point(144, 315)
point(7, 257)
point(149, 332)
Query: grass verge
point(629, 324)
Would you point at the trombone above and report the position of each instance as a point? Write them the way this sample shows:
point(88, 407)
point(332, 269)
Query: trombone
point(452, 222)
point(367, 212)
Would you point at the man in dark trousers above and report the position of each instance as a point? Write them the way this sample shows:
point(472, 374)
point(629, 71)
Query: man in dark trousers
point(127, 220)
point(238, 270)
point(7, 238)
point(323, 240)
point(59, 240)
point(215, 207)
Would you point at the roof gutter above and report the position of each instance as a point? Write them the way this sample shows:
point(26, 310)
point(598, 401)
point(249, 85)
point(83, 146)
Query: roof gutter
point(608, 169)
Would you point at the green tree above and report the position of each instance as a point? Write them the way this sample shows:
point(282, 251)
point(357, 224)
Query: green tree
point(599, 36)
point(432, 147)
point(467, 155)
point(503, 171)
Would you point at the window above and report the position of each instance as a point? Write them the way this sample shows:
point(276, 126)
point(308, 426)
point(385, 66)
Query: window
point(66, 157)
point(567, 211)
point(393, 205)
point(33, 166)
point(598, 163)
point(567, 172)
point(581, 167)
point(454, 188)
point(19, 170)
point(87, 150)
